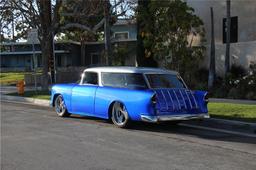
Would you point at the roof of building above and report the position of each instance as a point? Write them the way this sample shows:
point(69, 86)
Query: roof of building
point(126, 69)
point(28, 43)
point(125, 22)
point(30, 52)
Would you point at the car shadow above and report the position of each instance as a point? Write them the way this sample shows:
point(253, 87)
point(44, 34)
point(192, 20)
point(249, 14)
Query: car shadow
point(90, 119)
point(170, 128)
point(182, 129)
point(250, 120)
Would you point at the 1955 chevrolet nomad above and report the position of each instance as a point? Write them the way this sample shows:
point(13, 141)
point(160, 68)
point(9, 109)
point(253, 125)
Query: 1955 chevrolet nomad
point(124, 94)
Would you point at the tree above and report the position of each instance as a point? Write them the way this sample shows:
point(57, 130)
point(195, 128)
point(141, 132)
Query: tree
point(81, 21)
point(11, 21)
point(47, 32)
point(88, 17)
point(42, 15)
point(45, 15)
point(145, 28)
point(166, 28)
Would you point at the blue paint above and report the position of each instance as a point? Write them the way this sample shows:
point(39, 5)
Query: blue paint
point(96, 101)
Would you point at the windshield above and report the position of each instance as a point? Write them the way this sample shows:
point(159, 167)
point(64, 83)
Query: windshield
point(124, 80)
point(165, 81)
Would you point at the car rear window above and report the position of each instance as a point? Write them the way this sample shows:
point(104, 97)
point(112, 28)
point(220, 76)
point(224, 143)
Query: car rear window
point(124, 80)
point(165, 81)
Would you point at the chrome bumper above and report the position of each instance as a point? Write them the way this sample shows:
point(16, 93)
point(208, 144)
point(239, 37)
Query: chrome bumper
point(155, 119)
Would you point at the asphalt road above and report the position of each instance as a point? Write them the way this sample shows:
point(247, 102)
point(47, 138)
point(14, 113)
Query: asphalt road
point(34, 138)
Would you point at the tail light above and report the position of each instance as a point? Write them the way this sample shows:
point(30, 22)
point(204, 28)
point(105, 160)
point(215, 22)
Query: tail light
point(206, 98)
point(154, 99)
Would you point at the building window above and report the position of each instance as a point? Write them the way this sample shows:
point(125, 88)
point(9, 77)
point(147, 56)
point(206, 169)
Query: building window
point(121, 35)
point(233, 29)
point(95, 58)
point(58, 58)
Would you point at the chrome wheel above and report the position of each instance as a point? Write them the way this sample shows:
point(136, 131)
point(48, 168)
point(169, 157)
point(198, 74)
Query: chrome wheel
point(60, 107)
point(119, 115)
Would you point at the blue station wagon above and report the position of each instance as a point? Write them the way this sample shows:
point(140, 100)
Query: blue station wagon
point(125, 94)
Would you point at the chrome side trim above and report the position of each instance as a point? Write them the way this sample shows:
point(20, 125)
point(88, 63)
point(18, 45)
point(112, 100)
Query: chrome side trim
point(177, 99)
point(155, 119)
point(184, 102)
point(173, 108)
point(166, 104)
point(190, 103)
point(194, 98)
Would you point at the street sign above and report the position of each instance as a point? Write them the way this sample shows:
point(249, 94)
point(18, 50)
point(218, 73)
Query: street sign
point(33, 36)
point(233, 29)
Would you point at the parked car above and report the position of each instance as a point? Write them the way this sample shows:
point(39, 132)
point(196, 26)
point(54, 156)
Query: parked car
point(125, 94)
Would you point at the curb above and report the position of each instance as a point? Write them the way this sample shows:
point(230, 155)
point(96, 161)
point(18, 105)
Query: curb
point(235, 101)
point(27, 100)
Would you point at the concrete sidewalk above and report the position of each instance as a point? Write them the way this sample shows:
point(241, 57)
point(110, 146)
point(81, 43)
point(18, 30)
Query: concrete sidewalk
point(26, 100)
point(12, 89)
point(5, 90)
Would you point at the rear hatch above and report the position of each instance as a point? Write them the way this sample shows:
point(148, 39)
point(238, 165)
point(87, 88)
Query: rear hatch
point(176, 101)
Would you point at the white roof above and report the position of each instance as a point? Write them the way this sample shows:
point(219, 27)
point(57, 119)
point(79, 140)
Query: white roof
point(126, 69)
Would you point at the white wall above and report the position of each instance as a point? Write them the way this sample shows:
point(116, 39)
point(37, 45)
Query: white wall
point(245, 50)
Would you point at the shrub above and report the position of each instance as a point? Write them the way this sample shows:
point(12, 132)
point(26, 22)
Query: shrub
point(242, 85)
point(238, 84)
point(237, 71)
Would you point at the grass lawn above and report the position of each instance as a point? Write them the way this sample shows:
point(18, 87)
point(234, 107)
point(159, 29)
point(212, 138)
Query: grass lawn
point(241, 112)
point(11, 77)
point(46, 95)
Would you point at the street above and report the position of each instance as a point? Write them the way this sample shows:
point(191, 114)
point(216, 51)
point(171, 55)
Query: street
point(34, 138)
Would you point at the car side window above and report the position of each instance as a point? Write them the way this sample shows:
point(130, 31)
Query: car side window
point(124, 80)
point(90, 78)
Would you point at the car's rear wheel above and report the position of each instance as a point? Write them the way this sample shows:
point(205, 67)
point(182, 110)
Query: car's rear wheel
point(60, 107)
point(119, 115)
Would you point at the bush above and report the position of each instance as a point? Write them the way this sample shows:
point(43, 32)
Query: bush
point(238, 84)
point(237, 71)
point(198, 80)
point(241, 85)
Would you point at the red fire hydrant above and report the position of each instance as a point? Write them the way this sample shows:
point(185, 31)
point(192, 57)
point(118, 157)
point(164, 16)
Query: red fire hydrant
point(20, 87)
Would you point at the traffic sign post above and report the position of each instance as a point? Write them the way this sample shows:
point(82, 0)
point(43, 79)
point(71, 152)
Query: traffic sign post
point(33, 38)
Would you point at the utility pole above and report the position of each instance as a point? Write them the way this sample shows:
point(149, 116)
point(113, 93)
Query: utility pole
point(227, 58)
point(211, 76)
point(107, 33)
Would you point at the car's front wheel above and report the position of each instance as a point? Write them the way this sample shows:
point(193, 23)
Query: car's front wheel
point(119, 115)
point(60, 107)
